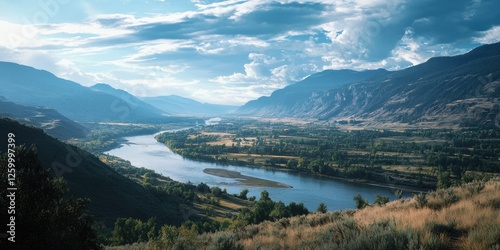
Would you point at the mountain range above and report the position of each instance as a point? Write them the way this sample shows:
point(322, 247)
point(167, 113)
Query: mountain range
point(177, 105)
point(459, 90)
point(27, 86)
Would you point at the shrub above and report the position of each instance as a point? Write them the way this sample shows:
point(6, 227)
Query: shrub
point(381, 200)
point(484, 237)
point(398, 193)
point(360, 202)
point(322, 208)
point(421, 200)
point(226, 241)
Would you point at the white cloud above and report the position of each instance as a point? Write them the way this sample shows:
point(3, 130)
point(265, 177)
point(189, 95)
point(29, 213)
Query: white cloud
point(236, 50)
point(490, 36)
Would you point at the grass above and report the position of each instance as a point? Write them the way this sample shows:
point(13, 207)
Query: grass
point(470, 220)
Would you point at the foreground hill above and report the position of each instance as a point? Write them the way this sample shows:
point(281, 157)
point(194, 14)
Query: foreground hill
point(28, 86)
point(51, 121)
point(465, 217)
point(112, 195)
point(459, 90)
point(178, 105)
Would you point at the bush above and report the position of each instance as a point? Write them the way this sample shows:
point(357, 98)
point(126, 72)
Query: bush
point(381, 200)
point(226, 241)
point(484, 237)
point(421, 200)
point(322, 208)
point(360, 202)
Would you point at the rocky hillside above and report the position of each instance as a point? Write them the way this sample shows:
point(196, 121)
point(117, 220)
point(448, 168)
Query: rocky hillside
point(460, 90)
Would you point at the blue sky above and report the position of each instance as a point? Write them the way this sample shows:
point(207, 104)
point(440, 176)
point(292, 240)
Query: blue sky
point(234, 51)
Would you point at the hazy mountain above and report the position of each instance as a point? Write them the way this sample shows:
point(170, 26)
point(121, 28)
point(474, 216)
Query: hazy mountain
point(462, 89)
point(112, 195)
point(130, 99)
point(51, 121)
point(28, 86)
point(284, 101)
point(178, 105)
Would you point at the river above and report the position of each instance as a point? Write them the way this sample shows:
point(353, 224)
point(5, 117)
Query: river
point(145, 151)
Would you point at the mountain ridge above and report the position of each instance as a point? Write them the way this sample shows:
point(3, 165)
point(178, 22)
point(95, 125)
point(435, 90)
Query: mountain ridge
point(179, 105)
point(28, 86)
point(461, 90)
point(51, 121)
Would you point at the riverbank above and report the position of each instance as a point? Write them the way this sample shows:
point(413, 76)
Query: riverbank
point(243, 179)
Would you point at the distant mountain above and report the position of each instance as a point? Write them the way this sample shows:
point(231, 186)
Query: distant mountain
point(112, 195)
point(284, 101)
point(51, 121)
point(459, 90)
point(178, 105)
point(28, 86)
point(130, 99)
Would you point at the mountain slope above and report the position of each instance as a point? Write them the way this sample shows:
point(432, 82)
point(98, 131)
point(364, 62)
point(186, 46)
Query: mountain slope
point(28, 86)
point(112, 195)
point(178, 105)
point(130, 99)
point(52, 122)
point(283, 101)
point(459, 90)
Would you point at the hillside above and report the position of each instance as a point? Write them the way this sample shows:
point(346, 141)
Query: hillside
point(463, 217)
point(178, 105)
point(28, 86)
point(283, 102)
point(112, 195)
point(460, 90)
point(130, 99)
point(51, 121)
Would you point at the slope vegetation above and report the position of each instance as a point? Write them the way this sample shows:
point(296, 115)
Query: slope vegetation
point(112, 195)
point(465, 217)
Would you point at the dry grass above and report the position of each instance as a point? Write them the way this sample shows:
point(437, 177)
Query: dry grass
point(457, 218)
point(465, 217)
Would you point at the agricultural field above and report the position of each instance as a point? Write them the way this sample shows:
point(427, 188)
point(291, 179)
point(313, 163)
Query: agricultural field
point(417, 159)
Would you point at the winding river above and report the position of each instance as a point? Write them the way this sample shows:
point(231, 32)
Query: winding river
point(145, 151)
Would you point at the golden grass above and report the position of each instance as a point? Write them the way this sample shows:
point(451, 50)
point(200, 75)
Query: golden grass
point(474, 218)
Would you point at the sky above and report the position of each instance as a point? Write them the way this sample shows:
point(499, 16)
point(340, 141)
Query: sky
point(233, 51)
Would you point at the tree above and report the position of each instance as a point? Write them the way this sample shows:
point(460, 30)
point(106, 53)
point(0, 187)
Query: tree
point(263, 207)
point(216, 191)
point(243, 193)
point(443, 180)
point(360, 202)
point(44, 218)
point(381, 200)
point(279, 211)
point(322, 208)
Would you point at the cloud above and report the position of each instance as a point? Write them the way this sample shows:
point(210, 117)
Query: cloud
point(489, 36)
point(236, 50)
